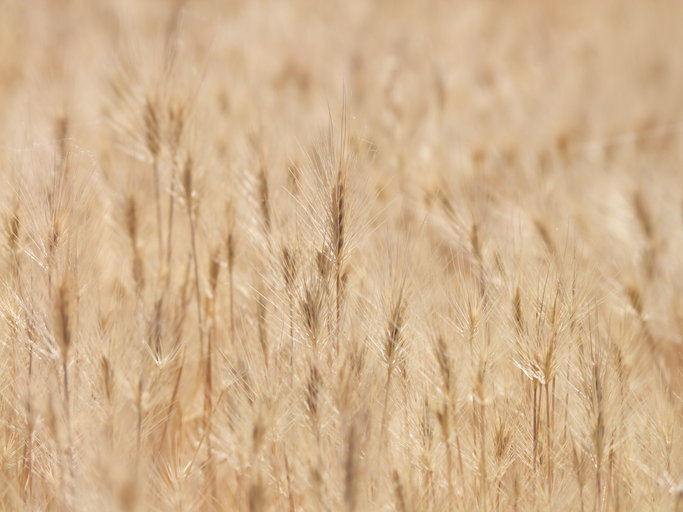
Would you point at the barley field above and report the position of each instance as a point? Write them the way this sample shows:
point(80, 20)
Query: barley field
point(355, 256)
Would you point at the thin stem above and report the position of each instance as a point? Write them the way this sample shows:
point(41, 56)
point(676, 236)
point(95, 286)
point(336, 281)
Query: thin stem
point(171, 204)
point(157, 197)
point(195, 264)
point(386, 403)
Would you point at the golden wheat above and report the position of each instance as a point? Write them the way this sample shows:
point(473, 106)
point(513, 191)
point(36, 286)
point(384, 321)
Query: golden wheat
point(345, 256)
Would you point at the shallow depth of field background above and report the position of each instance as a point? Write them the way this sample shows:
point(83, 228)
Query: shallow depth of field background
point(341, 256)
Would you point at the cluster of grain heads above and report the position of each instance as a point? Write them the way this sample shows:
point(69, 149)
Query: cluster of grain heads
point(446, 415)
point(394, 344)
point(197, 308)
point(538, 360)
point(63, 335)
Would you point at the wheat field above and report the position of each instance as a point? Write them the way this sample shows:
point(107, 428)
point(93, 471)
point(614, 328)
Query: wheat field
point(341, 256)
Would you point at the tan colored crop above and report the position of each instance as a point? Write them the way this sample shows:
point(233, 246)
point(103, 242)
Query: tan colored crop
point(341, 256)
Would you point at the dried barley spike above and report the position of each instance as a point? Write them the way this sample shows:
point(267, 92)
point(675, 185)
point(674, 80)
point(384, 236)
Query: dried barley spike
point(289, 269)
point(107, 377)
point(394, 338)
point(338, 216)
point(132, 220)
point(63, 320)
point(517, 311)
point(187, 184)
point(61, 135)
point(152, 130)
point(643, 215)
point(214, 269)
point(543, 232)
point(264, 201)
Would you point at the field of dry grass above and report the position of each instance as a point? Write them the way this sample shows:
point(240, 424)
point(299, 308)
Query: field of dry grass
point(341, 256)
